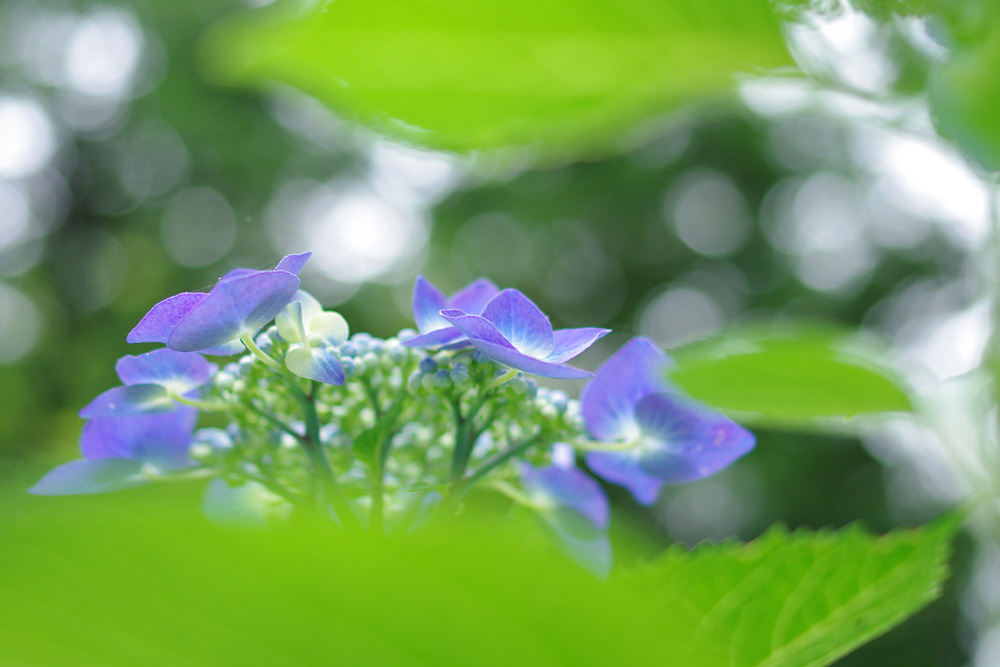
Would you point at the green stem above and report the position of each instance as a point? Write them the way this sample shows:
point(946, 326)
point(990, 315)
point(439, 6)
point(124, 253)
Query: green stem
point(496, 460)
point(247, 340)
point(276, 421)
point(313, 446)
point(501, 379)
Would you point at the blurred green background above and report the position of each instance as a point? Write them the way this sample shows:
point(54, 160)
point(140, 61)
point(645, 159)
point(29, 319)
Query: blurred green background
point(125, 177)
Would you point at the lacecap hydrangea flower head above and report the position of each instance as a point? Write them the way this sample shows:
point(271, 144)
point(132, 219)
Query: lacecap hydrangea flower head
point(384, 435)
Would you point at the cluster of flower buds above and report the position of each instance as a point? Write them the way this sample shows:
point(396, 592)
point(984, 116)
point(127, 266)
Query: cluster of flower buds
point(384, 434)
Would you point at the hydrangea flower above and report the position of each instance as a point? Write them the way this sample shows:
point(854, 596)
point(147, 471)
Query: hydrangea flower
point(311, 329)
point(513, 332)
point(574, 506)
point(673, 439)
point(116, 451)
point(152, 381)
point(429, 301)
point(239, 305)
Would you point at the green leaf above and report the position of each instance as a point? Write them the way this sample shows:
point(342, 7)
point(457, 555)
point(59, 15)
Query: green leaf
point(119, 580)
point(787, 379)
point(795, 600)
point(458, 75)
point(366, 446)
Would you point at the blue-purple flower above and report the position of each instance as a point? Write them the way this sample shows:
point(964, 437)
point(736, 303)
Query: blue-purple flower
point(574, 506)
point(116, 451)
point(151, 383)
point(665, 437)
point(429, 301)
point(513, 332)
point(239, 305)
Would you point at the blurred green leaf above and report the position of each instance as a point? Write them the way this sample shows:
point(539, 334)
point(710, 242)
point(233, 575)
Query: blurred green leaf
point(565, 74)
point(786, 379)
point(799, 600)
point(92, 582)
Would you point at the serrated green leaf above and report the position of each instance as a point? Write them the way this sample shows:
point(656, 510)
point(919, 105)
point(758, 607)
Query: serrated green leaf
point(787, 379)
point(795, 600)
point(563, 74)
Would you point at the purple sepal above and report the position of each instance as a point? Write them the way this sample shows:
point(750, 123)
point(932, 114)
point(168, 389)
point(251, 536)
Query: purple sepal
point(183, 371)
point(609, 399)
point(85, 477)
point(568, 487)
point(692, 442)
point(233, 308)
point(437, 338)
point(521, 323)
point(161, 319)
point(570, 343)
point(429, 301)
point(623, 468)
point(293, 264)
point(579, 540)
point(133, 399)
point(161, 439)
point(514, 359)
point(476, 328)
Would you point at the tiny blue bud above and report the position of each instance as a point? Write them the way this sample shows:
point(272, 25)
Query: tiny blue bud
point(442, 378)
point(406, 334)
point(377, 346)
point(519, 385)
point(480, 357)
point(350, 368)
point(559, 401)
point(264, 342)
point(428, 365)
point(396, 352)
point(532, 390)
point(459, 373)
point(348, 350)
point(413, 382)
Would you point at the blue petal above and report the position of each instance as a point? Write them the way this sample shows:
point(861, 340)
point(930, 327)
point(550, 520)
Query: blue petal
point(238, 273)
point(476, 328)
point(428, 302)
point(473, 297)
point(520, 321)
point(315, 364)
point(293, 263)
point(436, 338)
point(608, 401)
point(83, 476)
point(569, 487)
point(506, 356)
point(134, 399)
point(225, 350)
point(233, 308)
point(161, 319)
point(161, 439)
point(182, 371)
point(572, 342)
point(695, 441)
point(623, 468)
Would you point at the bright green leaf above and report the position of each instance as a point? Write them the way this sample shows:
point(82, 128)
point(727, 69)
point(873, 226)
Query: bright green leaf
point(563, 74)
point(117, 581)
point(795, 600)
point(786, 379)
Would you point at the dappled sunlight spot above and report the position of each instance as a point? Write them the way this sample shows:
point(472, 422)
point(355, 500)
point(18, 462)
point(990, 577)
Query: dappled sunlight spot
point(415, 176)
point(714, 509)
point(678, 315)
point(926, 179)
point(356, 234)
point(27, 138)
point(708, 212)
point(198, 227)
point(102, 54)
point(15, 215)
point(20, 324)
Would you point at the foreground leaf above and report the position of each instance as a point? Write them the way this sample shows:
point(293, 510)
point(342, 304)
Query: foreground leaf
point(467, 75)
point(795, 600)
point(787, 379)
point(99, 581)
